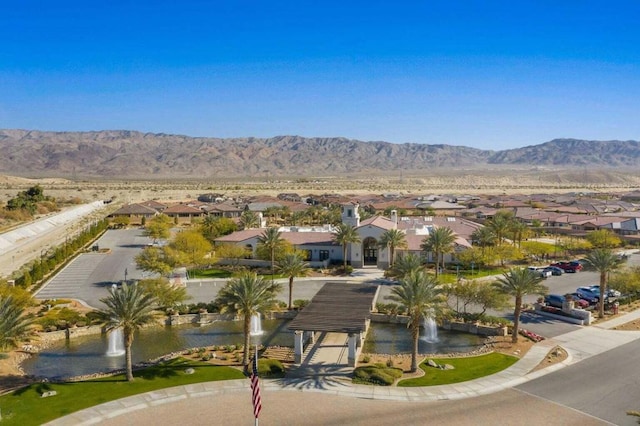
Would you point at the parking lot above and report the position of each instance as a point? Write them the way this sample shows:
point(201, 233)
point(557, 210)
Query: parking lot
point(90, 275)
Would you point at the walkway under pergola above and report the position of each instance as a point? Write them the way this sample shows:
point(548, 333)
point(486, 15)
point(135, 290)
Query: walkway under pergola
point(338, 307)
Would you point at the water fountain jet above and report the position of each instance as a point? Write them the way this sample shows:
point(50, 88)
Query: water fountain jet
point(256, 326)
point(116, 343)
point(430, 330)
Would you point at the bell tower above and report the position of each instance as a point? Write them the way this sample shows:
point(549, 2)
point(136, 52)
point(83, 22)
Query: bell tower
point(350, 215)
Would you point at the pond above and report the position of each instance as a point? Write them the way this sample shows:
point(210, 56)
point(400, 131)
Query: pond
point(396, 339)
point(86, 355)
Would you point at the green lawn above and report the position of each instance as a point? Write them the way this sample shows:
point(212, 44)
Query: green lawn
point(466, 368)
point(209, 273)
point(26, 406)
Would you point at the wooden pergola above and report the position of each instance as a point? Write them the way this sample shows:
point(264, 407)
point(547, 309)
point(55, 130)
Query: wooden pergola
point(338, 307)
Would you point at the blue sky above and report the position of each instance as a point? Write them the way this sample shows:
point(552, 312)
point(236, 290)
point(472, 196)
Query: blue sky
point(487, 74)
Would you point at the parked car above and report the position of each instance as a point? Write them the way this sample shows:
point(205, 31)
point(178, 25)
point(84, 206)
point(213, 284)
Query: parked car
point(568, 266)
point(589, 294)
point(610, 291)
point(580, 302)
point(554, 270)
point(555, 300)
point(541, 272)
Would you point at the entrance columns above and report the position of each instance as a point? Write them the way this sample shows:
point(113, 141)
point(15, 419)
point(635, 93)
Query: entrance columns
point(353, 345)
point(298, 346)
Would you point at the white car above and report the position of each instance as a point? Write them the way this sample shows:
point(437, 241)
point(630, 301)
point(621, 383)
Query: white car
point(540, 271)
point(610, 292)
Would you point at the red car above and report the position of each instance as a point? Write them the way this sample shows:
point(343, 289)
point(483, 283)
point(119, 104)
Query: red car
point(568, 266)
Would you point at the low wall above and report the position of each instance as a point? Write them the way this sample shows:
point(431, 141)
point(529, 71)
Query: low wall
point(472, 328)
point(465, 327)
point(69, 333)
point(204, 318)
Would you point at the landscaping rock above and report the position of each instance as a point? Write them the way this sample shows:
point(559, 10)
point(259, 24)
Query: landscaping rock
point(432, 363)
point(189, 371)
point(449, 367)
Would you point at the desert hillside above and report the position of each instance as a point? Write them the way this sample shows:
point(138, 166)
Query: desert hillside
point(129, 154)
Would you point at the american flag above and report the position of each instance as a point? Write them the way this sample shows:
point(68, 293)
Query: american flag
point(255, 388)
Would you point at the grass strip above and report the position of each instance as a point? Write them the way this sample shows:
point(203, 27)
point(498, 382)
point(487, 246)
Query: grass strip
point(465, 368)
point(27, 407)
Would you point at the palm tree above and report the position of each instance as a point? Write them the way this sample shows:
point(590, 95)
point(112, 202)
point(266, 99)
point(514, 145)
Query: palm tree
point(519, 231)
point(393, 238)
point(249, 219)
point(405, 264)
point(271, 239)
point(13, 326)
point(247, 295)
point(519, 283)
point(345, 235)
point(420, 295)
point(439, 242)
point(603, 260)
point(128, 308)
point(500, 224)
point(292, 265)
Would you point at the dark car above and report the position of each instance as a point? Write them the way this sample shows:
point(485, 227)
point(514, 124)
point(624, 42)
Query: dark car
point(554, 270)
point(555, 300)
point(589, 294)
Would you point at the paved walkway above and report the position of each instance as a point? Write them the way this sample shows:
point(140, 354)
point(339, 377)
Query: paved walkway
point(580, 344)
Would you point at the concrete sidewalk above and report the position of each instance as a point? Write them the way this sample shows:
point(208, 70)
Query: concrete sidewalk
point(580, 344)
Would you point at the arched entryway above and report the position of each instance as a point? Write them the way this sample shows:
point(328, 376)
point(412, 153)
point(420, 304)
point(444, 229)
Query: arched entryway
point(370, 251)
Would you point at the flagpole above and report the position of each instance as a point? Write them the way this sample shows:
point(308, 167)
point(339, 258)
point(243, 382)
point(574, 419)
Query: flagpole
point(256, 417)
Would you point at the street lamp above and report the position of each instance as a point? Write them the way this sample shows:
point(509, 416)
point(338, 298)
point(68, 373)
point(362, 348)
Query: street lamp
point(126, 272)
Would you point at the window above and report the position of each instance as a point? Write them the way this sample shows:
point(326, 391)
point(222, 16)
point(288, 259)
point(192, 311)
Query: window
point(307, 256)
point(324, 254)
point(348, 212)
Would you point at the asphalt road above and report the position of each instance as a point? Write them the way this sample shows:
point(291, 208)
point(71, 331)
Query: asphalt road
point(605, 386)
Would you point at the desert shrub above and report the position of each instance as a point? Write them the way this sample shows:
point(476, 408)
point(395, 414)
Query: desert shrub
point(377, 374)
point(270, 368)
point(300, 303)
point(366, 359)
point(389, 362)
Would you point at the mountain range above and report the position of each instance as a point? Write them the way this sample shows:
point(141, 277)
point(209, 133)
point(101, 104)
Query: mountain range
point(131, 154)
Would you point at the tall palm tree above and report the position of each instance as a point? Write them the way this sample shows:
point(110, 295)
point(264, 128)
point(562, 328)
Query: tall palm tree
point(405, 264)
point(14, 327)
point(247, 295)
point(603, 260)
point(271, 238)
point(420, 295)
point(249, 219)
point(128, 308)
point(393, 238)
point(292, 265)
point(500, 224)
point(519, 283)
point(439, 242)
point(519, 231)
point(484, 237)
point(345, 235)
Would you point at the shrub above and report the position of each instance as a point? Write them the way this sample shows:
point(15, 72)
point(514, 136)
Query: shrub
point(366, 359)
point(300, 303)
point(376, 374)
point(390, 363)
point(270, 368)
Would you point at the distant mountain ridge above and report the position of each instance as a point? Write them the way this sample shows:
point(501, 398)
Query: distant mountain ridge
point(131, 154)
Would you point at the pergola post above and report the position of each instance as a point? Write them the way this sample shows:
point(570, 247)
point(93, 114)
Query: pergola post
point(353, 345)
point(298, 346)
